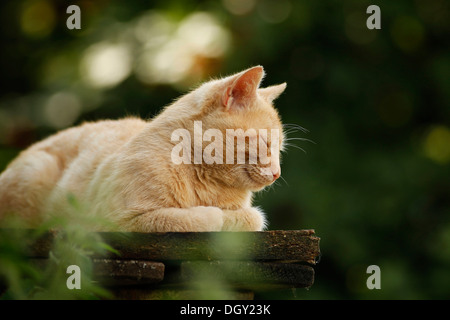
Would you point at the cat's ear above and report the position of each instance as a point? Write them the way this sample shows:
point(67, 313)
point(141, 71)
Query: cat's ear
point(242, 89)
point(271, 93)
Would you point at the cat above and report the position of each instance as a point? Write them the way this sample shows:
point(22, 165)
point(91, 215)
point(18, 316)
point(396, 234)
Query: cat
point(121, 170)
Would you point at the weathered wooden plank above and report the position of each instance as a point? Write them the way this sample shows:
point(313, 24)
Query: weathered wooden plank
point(301, 245)
point(119, 272)
point(174, 262)
point(298, 245)
point(134, 272)
point(246, 273)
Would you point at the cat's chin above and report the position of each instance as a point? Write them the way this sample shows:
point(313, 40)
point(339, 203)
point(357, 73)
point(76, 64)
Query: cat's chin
point(258, 188)
point(256, 181)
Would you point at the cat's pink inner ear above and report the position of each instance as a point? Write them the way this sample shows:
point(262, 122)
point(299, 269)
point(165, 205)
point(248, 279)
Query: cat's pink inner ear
point(243, 90)
point(226, 98)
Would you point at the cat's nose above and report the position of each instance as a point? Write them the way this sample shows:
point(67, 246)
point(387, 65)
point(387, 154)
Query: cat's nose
point(276, 174)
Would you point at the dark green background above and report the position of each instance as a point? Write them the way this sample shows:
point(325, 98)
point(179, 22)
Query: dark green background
point(375, 185)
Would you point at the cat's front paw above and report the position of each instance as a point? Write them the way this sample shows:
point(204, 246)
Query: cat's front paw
point(245, 219)
point(206, 219)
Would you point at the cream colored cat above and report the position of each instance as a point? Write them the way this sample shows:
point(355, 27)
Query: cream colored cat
point(122, 170)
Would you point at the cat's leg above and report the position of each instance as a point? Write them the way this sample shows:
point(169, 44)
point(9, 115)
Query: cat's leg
point(244, 219)
point(26, 183)
point(195, 219)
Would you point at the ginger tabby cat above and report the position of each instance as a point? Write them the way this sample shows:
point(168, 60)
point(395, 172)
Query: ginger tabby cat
point(122, 170)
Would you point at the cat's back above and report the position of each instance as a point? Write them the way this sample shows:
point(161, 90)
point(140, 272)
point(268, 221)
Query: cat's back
point(80, 150)
point(89, 137)
point(68, 158)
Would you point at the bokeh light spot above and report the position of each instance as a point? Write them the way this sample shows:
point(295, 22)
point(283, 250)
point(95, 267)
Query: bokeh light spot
point(153, 29)
point(437, 144)
point(273, 11)
point(62, 109)
point(407, 33)
point(239, 7)
point(104, 65)
point(186, 47)
point(38, 18)
point(203, 34)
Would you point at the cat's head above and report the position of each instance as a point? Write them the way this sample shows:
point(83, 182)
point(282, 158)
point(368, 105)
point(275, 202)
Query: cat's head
point(236, 107)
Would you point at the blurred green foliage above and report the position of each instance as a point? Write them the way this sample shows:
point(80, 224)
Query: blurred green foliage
point(45, 279)
point(375, 185)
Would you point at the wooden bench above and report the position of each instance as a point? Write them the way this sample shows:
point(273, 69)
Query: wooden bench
point(200, 265)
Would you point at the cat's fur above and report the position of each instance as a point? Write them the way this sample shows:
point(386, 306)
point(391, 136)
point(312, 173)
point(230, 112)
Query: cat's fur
point(122, 170)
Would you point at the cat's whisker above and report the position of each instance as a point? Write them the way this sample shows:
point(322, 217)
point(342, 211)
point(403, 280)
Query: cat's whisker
point(273, 185)
point(267, 188)
point(284, 180)
point(295, 126)
point(295, 146)
point(293, 129)
point(290, 131)
point(299, 139)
